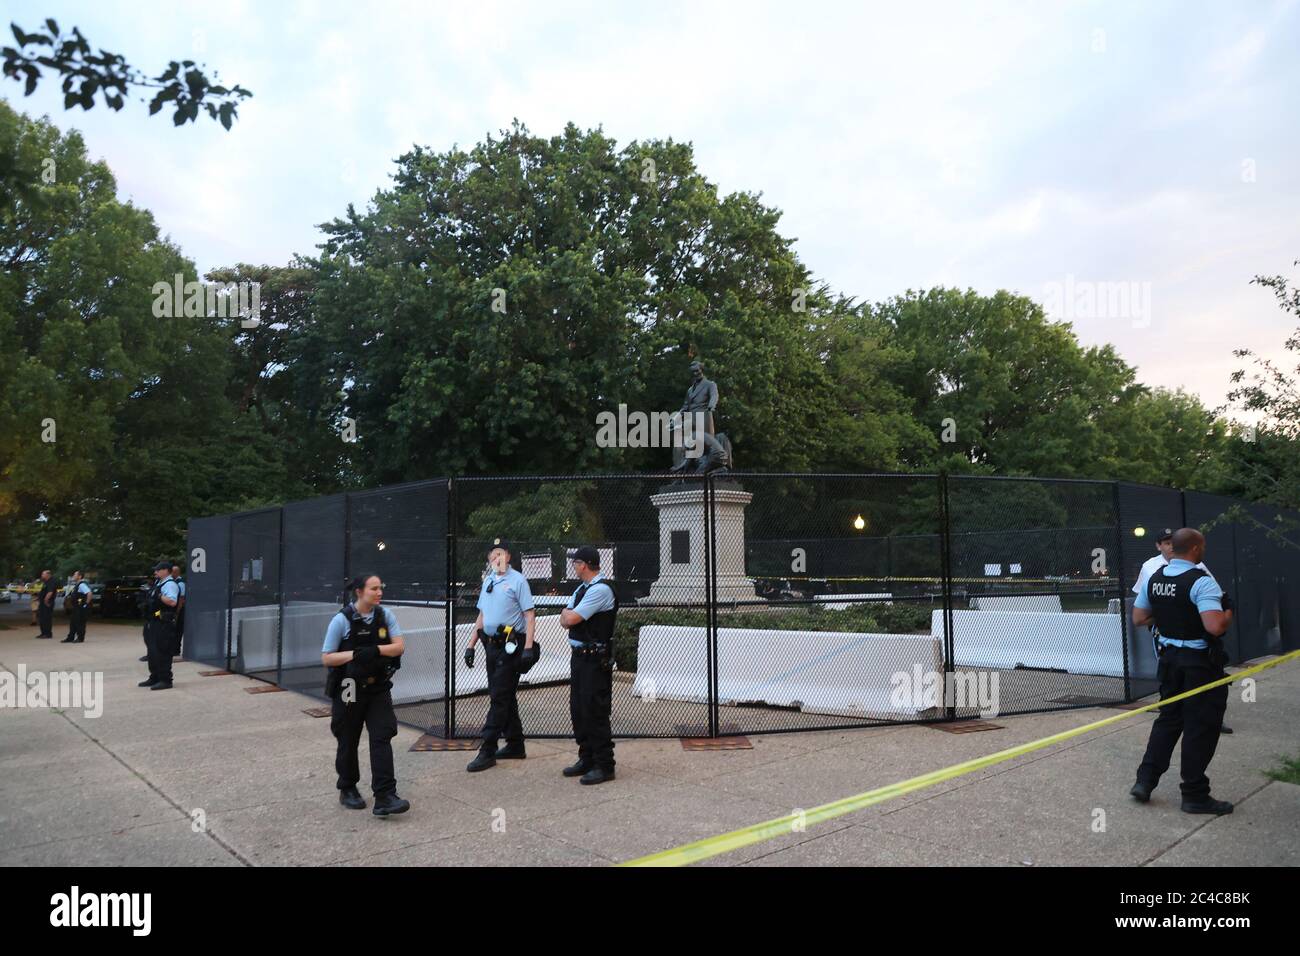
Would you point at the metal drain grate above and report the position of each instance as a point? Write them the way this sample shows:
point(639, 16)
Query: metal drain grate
point(215, 673)
point(966, 727)
point(716, 743)
point(318, 711)
point(268, 689)
point(431, 744)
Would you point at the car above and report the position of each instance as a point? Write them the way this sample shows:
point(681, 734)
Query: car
point(123, 597)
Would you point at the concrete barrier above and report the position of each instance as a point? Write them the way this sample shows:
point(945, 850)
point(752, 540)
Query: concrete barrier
point(1077, 642)
point(821, 672)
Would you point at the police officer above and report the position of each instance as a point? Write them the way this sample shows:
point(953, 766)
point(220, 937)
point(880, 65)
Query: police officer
point(363, 647)
point(45, 605)
point(589, 619)
point(180, 611)
point(505, 624)
point(160, 626)
point(1190, 614)
point(1165, 544)
point(78, 610)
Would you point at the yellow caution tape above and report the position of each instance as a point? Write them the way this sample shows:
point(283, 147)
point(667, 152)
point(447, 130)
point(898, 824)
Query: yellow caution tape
point(795, 822)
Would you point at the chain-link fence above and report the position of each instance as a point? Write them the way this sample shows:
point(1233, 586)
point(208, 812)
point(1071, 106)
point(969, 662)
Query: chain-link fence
point(748, 603)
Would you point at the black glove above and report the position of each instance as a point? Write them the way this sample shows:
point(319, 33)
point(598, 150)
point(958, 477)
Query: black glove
point(528, 657)
point(365, 655)
point(469, 656)
point(1226, 602)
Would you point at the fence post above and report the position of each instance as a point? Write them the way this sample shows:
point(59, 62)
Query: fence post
point(279, 624)
point(1123, 589)
point(230, 598)
point(449, 679)
point(945, 539)
point(711, 605)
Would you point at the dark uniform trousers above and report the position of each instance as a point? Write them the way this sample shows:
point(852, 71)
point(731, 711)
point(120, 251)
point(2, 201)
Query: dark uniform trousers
point(77, 622)
point(503, 711)
point(591, 690)
point(45, 618)
point(158, 642)
point(375, 711)
point(1197, 719)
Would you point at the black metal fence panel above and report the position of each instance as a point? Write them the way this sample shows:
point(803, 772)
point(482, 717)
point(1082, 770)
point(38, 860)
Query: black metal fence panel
point(206, 591)
point(748, 603)
point(312, 587)
point(1038, 588)
point(652, 537)
point(253, 627)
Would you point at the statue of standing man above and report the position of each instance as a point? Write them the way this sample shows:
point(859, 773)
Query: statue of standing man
point(697, 419)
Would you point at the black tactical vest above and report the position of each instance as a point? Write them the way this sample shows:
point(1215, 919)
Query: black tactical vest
point(79, 600)
point(1173, 608)
point(157, 610)
point(599, 628)
point(362, 634)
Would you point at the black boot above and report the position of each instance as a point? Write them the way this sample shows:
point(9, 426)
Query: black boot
point(1225, 729)
point(351, 798)
point(68, 640)
point(512, 752)
point(387, 804)
point(578, 769)
point(597, 775)
point(1141, 792)
point(1207, 805)
point(484, 760)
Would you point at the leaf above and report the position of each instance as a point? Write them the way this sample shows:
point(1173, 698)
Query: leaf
point(114, 100)
point(227, 110)
point(69, 99)
point(31, 81)
point(54, 27)
point(178, 117)
point(18, 34)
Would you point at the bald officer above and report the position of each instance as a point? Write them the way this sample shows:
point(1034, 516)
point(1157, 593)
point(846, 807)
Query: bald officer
point(1186, 605)
point(505, 624)
point(589, 619)
point(1157, 561)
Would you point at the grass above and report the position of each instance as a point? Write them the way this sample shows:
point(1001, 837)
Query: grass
point(1289, 772)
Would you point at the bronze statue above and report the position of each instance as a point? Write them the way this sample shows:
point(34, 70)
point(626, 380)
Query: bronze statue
point(698, 407)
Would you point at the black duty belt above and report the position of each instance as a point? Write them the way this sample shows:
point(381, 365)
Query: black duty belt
point(592, 649)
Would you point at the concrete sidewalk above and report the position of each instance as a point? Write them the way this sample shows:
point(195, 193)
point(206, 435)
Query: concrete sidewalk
point(124, 788)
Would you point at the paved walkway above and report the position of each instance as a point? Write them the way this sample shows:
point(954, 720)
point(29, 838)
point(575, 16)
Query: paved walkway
point(122, 788)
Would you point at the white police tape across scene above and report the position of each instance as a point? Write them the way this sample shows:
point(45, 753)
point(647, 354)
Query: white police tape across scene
point(798, 821)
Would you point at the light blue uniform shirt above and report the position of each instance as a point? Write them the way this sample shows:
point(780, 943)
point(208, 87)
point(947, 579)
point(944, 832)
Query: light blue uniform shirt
point(594, 600)
point(180, 584)
point(337, 632)
point(1205, 594)
point(170, 590)
point(505, 606)
point(83, 587)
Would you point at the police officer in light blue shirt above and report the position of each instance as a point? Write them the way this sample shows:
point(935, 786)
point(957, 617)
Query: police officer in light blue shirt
point(363, 648)
point(78, 609)
point(160, 627)
point(1191, 615)
point(505, 624)
point(589, 619)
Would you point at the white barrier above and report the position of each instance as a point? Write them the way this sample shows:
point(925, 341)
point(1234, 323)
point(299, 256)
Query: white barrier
point(822, 672)
point(1078, 642)
point(1045, 603)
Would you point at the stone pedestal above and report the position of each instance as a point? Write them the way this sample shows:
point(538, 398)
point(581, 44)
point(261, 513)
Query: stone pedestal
point(683, 571)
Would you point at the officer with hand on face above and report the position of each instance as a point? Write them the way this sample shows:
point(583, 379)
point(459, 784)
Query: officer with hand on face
point(78, 610)
point(1187, 607)
point(363, 647)
point(589, 619)
point(160, 627)
point(505, 624)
